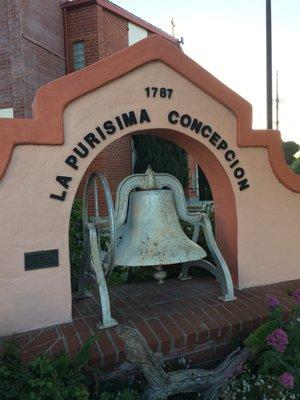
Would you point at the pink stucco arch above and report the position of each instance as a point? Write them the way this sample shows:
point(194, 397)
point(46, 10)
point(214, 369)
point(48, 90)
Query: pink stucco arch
point(47, 127)
point(262, 239)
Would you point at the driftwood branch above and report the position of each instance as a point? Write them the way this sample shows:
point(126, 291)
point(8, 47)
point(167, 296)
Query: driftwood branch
point(162, 384)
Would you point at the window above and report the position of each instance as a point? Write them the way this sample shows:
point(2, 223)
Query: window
point(79, 59)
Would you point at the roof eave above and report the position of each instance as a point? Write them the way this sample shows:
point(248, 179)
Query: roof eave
point(122, 13)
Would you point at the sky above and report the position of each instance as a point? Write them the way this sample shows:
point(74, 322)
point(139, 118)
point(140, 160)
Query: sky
point(227, 38)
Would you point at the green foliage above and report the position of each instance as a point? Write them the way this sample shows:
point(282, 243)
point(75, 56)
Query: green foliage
point(268, 359)
point(205, 192)
point(296, 165)
point(83, 355)
point(256, 341)
point(125, 394)
point(289, 149)
point(13, 377)
point(63, 378)
point(140, 274)
point(252, 386)
point(75, 241)
point(60, 378)
point(162, 155)
point(261, 378)
point(118, 276)
point(189, 230)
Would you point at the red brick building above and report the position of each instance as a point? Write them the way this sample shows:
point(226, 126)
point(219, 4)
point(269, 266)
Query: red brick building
point(42, 41)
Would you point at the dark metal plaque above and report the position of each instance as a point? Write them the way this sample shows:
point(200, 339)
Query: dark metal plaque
point(41, 259)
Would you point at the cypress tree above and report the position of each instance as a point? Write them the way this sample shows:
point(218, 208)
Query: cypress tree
point(162, 155)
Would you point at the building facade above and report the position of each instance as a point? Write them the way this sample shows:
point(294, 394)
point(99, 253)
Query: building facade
point(42, 41)
point(32, 52)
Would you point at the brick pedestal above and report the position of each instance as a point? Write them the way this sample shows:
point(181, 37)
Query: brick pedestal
point(176, 318)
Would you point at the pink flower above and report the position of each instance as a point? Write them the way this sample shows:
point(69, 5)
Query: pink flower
point(278, 339)
point(296, 294)
point(272, 302)
point(287, 380)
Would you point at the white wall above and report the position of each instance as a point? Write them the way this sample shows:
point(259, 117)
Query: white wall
point(135, 33)
point(6, 112)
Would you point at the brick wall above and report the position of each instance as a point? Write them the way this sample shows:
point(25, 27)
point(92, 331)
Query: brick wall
point(42, 41)
point(192, 181)
point(11, 76)
point(115, 163)
point(103, 34)
point(31, 51)
point(5, 74)
point(82, 25)
point(113, 33)
point(32, 54)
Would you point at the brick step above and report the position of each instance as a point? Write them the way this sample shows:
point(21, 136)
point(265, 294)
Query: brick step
point(176, 318)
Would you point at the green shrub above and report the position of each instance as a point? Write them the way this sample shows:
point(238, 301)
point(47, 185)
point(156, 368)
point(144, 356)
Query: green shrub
point(273, 371)
point(251, 386)
point(162, 155)
point(296, 165)
point(75, 241)
point(125, 394)
point(189, 230)
point(60, 378)
point(289, 150)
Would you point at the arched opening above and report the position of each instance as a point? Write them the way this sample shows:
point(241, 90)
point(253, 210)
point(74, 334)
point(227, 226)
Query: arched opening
point(224, 200)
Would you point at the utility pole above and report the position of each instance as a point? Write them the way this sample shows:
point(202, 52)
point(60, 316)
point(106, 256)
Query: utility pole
point(269, 64)
point(277, 102)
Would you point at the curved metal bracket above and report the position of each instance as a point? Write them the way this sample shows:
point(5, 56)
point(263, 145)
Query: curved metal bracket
point(223, 274)
point(107, 320)
point(99, 223)
point(220, 270)
point(157, 181)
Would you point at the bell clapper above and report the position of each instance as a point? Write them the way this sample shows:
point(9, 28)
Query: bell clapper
point(159, 274)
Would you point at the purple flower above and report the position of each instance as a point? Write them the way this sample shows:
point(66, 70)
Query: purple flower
point(272, 302)
point(287, 380)
point(278, 339)
point(296, 294)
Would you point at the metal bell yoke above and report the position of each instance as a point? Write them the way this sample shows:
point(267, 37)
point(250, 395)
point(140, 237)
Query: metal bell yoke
point(145, 230)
